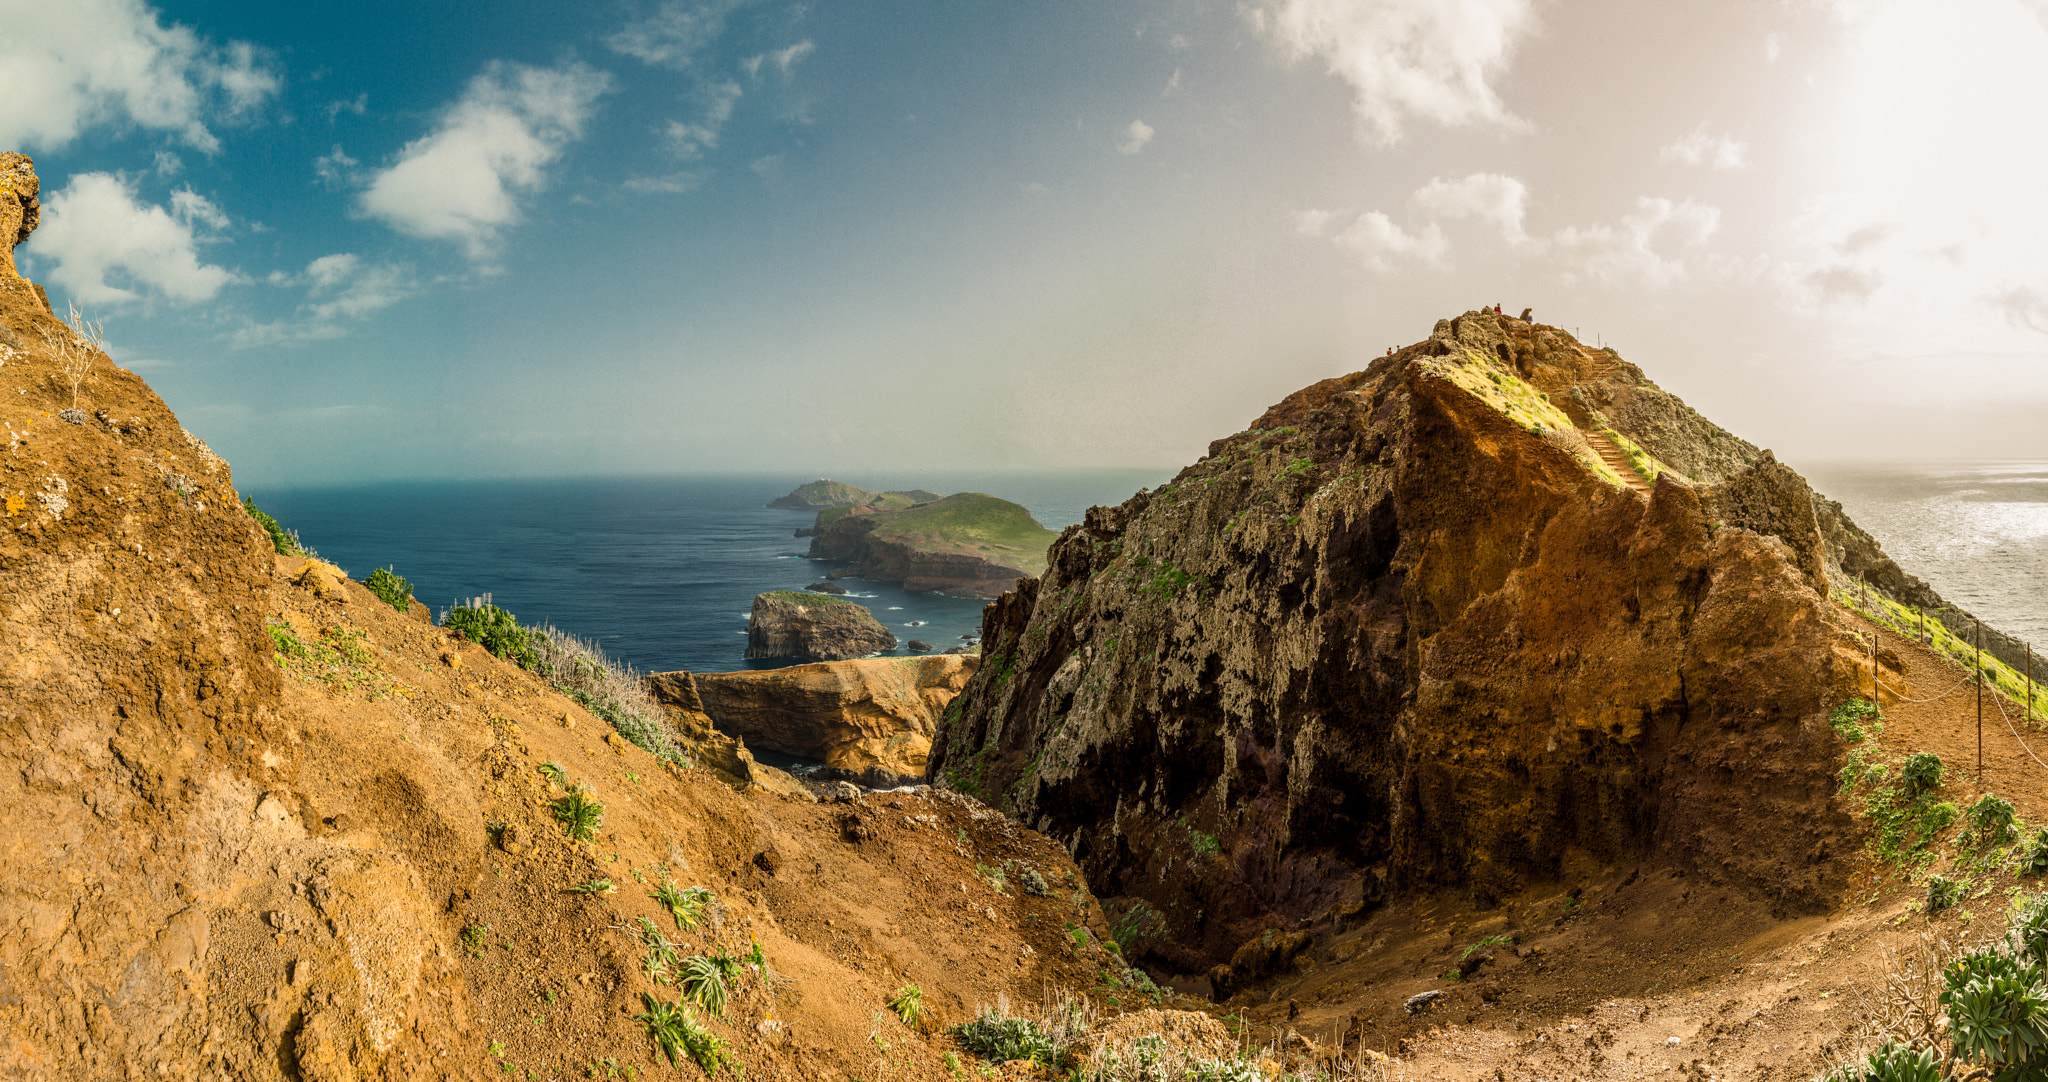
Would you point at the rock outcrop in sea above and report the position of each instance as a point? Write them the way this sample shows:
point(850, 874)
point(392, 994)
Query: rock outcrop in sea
point(821, 493)
point(969, 544)
point(813, 627)
point(1494, 612)
point(869, 721)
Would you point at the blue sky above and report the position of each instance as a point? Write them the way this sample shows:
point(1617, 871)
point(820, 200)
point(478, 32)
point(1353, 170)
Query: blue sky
point(404, 240)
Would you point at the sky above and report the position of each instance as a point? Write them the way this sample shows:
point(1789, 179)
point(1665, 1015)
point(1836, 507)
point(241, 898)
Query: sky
point(376, 241)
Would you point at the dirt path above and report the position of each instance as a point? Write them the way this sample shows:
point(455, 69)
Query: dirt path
point(1616, 460)
point(1654, 975)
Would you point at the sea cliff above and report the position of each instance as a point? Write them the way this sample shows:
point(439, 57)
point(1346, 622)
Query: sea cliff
point(1411, 631)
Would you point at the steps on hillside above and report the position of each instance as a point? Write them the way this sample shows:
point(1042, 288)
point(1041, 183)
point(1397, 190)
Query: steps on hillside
point(1616, 459)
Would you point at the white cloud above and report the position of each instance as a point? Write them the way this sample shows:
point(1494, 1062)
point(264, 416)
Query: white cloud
point(676, 32)
point(2022, 306)
point(666, 184)
point(1623, 254)
point(1429, 59)
point(336, 168)
point(1135, 138)
point(1500, 201)
point(99, 234)
point(1379, 243)
point(1719, 151)
point(462, 182)
point(340, 289)
point(66, 67)
point(786, 59)
point(357, 107)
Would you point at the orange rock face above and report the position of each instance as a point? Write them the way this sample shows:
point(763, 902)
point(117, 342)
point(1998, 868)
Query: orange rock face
point(1411, 632)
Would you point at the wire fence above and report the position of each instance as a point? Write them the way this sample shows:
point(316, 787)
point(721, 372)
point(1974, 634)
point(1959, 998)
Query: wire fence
point(2015, 686)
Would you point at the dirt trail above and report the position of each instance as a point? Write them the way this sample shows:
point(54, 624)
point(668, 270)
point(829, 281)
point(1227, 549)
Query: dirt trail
point(1655, 975)
point(1616, 460)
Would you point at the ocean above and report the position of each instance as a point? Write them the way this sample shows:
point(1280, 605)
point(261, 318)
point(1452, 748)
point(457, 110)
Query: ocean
point(660, 572)
point(1975, 531)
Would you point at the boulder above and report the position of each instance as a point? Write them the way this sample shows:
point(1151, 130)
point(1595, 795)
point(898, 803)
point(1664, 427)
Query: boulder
point(813, 627)
point(870, 721)
point(919, 646)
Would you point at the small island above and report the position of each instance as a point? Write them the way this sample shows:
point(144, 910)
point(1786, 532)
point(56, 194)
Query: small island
point(822, 493)
point(969, 544)
point(813, 627)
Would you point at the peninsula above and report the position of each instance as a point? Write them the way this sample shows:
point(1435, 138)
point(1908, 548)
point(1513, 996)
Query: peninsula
point(969, 544)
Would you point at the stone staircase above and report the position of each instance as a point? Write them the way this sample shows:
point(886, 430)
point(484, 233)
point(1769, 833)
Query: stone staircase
point(1617, 460)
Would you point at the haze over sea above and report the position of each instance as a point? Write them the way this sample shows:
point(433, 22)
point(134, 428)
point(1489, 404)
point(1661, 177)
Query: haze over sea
point(660, 572)
point(1975, 531)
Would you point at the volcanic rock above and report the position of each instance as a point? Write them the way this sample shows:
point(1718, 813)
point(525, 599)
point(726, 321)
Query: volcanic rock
point(870, 721)
point(826, 588)
point(1410, 631)
point(813, 627)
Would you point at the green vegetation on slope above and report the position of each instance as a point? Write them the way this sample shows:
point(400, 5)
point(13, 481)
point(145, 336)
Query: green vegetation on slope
point(1494, 384)
point(805, 597)
point(975, 523)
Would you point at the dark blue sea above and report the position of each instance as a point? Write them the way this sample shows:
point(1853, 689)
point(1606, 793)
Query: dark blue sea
point(661, 572)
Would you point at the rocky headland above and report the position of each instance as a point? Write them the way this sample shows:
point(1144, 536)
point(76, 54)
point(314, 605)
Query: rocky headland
point(821, 493)
point(969, 544)
point(1466, 726)
point(869, 721)
point(1493, 614)
point(813, 627)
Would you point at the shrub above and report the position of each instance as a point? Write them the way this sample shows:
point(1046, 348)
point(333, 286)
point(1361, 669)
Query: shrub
point(2029, 933)
point(2035, 860)
point(1997, 1008)
point(908, 1003)
point(580, 816)
point(1992, 818)
point(1942, 892)
point(685, 907)
point(677, 1033)
point(494, 629)
point(611, 691)
point(1001, 1037)
point(1034, 884)
point(1922, 773)
point(1890, 1062)
point(281, 539)
point(1856, 720)
point(704, 980)
point(395, 592)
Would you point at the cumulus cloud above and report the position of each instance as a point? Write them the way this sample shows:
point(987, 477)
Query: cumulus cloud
point(1379, 244)
point(1624, 254)
point(1135, 138)
point(109, 246)
point(1631, 252)
point(1433, 60)
point(2022, 306)
point(463, 181)
point(1490, 198)
point(676, 33)
point(1717, 151)
point(67, 67)
point(341, 289)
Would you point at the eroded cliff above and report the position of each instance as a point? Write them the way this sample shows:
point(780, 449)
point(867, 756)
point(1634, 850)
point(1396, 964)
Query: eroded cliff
point(1412, 630)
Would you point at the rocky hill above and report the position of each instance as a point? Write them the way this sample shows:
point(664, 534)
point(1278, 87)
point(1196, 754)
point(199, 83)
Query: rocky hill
point(813, 627)
point(969, 544)
point(1497, 612)
point(260, 823)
